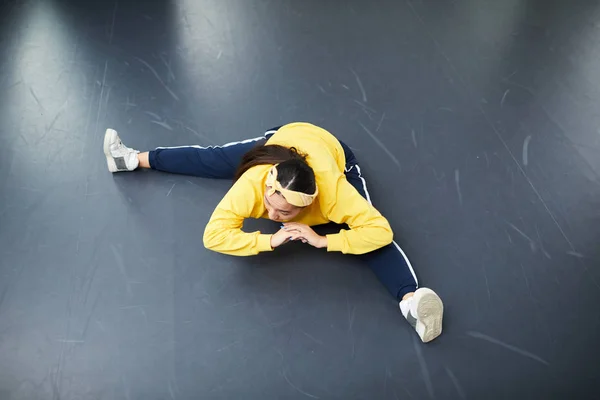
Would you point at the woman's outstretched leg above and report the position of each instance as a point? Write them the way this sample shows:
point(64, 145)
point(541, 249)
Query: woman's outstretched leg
point(217, 162)
point(422, 308)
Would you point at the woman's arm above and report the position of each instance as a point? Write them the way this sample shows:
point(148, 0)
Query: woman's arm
point(369, 230)
point(224, 234)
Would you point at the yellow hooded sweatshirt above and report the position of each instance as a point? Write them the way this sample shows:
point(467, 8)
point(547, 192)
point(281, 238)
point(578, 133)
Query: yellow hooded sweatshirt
point(338, 201)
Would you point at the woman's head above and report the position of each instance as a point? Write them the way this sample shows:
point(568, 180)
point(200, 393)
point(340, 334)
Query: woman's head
point(290, 187)
point(291, 183)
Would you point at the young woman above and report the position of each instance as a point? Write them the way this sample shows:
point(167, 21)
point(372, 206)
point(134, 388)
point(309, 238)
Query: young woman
point(298, 175)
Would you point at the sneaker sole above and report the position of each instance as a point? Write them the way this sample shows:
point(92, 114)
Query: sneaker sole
point(109, 137)
point(430, 312)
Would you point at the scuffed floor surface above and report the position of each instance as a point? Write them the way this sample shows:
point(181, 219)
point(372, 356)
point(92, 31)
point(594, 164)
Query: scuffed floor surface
point(476, 124)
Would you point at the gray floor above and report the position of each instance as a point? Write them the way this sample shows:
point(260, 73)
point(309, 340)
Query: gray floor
point(477, 126)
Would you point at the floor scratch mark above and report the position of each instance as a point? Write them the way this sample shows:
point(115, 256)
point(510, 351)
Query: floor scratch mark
point(520, 232)
point(363, 105)
point(414, 138)
point(128, 104)
point(351, 319)
point(228, 346)
point(510, 76)
point(167, 88)
point(380, 122)
point(171, 392)
point(168, 65)
point(381, 145)
point(424, 370)
point(542, 243)
point(87, 322)
point(103, 84)
point(153, 115)
point(524, 353)
point(296, 387)
point(385, 379)
point(457, 386)
point(170, 190)
point(360, 85)
point(200, 135)
point(457, 183)
point(525, 88)
point(13, 85)
point(39, 103)
point(112, 27)
point(526, 150)
point(163, 124)
point(526, 280)
point(49, 127)
point(368, 114)
point(504, 97)
point(487, 284)
point(312, 338)
point(197, 133)
point(575, 254)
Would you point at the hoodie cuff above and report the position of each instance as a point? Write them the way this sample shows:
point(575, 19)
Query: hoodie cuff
point(335, 242)
point(264, 243)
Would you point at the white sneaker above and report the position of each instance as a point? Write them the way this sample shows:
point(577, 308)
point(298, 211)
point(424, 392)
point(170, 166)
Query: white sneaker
point(118, 156)
point(424, 311)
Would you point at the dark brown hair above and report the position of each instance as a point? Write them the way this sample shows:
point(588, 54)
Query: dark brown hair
point(293, 172)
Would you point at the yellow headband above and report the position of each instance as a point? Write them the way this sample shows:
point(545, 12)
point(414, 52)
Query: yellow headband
point(297, 199)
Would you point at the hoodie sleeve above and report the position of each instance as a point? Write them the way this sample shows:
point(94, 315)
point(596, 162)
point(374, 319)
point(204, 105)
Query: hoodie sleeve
point(369, 230)
point(224, 234)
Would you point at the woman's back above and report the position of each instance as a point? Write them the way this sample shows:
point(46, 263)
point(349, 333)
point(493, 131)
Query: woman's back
point(325, 156)
point(325, 153)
